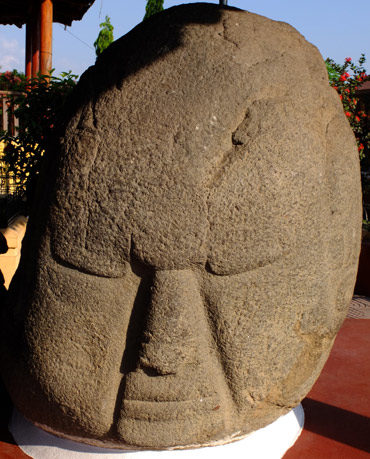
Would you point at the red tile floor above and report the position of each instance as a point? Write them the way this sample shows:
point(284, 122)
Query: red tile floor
point(337, 409)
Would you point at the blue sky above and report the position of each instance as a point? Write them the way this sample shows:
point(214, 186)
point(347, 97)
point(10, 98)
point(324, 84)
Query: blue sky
point(336, 28)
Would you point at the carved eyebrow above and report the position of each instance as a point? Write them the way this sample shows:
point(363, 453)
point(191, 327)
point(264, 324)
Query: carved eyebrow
point(80, 269)
point(207, 267)
point(85, 270)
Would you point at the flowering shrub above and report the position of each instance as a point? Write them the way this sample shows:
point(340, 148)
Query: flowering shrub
point(38, 105)
point(345, 79)
point(9, 81)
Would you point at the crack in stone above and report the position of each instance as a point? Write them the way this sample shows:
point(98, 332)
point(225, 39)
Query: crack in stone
point(228, 157)
point(268, 60)
point(95, 120)
point(224, 34)
point(278, 405)
point(227, 160)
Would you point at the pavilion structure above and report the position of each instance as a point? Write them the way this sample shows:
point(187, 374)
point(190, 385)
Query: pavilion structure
point(363, 93)
point(39, 15)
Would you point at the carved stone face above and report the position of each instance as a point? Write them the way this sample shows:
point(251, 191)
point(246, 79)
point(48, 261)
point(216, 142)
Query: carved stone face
point(199, 248)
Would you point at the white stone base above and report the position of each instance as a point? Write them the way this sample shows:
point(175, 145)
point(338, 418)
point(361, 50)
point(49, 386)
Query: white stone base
point(270, 442)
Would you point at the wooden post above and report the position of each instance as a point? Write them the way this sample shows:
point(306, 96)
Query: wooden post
point(5, 122)
point(29, 50)
point(46, 36)
point(35, 39)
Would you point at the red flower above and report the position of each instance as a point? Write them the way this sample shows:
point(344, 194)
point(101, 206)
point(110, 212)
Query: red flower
point(348, 114)
point(361, 147)
point(340, 96)
point(357, 118)
point(348, 59)
point(344, 76)
point(347, 90)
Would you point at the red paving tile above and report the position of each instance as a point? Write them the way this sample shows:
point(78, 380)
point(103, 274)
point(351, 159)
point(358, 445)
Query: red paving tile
point(337, 409)
point(8, 451)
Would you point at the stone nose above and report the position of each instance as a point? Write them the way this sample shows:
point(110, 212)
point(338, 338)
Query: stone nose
point(172, 334)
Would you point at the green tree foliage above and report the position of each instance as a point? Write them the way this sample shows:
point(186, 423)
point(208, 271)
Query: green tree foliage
point(105, 36)
point(152, 7)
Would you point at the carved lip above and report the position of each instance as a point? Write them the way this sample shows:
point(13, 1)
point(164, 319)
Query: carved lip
point(152, 410)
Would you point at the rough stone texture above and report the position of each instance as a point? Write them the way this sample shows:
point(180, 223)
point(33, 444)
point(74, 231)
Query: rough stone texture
point(196, 243)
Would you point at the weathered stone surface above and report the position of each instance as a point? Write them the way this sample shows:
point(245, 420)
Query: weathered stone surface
point(196, 243)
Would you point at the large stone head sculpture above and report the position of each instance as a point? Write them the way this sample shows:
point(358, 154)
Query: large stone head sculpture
point(196, 242)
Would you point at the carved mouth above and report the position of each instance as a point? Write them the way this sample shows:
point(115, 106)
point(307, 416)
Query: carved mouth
point(171, 424)
point(151, 410)
point(171, 410)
